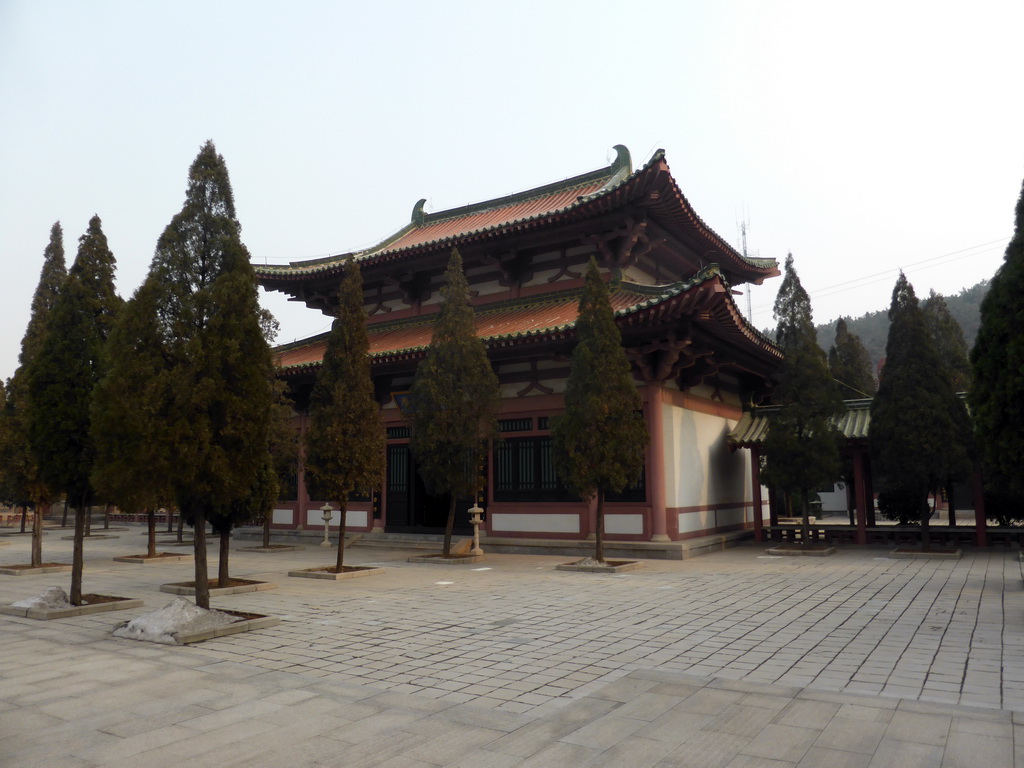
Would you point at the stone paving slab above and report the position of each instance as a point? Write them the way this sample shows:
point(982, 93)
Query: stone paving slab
point(729, 659)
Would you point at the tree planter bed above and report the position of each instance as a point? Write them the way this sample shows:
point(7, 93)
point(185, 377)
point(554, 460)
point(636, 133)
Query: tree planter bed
point(101, 604)
point(272, 548)
point(349, 572)
point(238, 586)
point(159, 557)
point(918, 554)
point(91, 536)
point(798, 550)
point(254, 621)
point(608, 566)
point(180, 622)
point(28, 570)
point(442, 560)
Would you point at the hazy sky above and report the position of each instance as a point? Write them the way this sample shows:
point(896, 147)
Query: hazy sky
point(862, 137)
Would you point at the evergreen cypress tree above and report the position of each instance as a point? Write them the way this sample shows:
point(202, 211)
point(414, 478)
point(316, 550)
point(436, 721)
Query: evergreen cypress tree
point(599, 441)
point(850, 364)
point(215, 391)
point(132, 459)
point(284, 450)
point(62, 378)
point(948, 336)
point(913, 435)
point(345, 443)
point(18, 460)
point(801, 450)
point(454, 401)
point(998, 363)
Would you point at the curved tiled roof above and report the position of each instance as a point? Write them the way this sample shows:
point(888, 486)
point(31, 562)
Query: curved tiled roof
point(516, 321)
point(752, 427)
point(582, 196)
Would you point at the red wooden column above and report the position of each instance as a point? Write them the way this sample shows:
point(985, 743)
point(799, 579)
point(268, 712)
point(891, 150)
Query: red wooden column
point(301, 497)
point(656, 462)
point(860, 495)
point(980, 521)
point(755, 484)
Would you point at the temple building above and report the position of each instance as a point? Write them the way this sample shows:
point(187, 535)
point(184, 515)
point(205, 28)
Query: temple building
point(696, 360)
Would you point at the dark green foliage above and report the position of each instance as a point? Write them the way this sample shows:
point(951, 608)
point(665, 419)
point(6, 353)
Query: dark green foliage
point(599, 442)
point(345, 443)
point(132, 465)
point(17, 462)
point(873, 327)
point(215, 392)
point(801, 450)
point(850, 365)
point(61, 380)
point(949, 341)
point(454, 400)
point(283, 443)
point(998, 361)
point(51, 279)
point(915, 435)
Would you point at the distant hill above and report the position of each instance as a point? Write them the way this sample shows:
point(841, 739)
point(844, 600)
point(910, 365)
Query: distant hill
point(873, 327)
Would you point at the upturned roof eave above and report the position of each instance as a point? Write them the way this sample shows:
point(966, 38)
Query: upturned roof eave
point(654, 173)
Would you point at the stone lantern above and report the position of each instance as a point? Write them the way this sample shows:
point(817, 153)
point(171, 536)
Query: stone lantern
point(328, 514)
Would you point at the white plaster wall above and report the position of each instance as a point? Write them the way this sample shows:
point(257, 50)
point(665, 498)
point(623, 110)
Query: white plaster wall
point(355, 518)
point(710, 518)
point(527, 523)
point(699, 469)
point(623, 523)
point(282, 517)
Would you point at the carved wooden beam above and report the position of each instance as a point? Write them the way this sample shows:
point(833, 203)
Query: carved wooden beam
point(563, 269)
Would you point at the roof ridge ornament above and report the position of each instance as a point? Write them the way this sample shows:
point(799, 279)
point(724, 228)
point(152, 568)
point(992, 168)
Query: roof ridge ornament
point(418, 216)
point(622, 159)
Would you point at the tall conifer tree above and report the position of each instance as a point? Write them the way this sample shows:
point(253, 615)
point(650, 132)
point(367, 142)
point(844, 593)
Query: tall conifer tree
point(801, 450)
point(62, 377)
point(454, 401)
point(132, 458)
point(345, 443)
point(18, 459)
point(850, 364)
point(948, 336)
point(913, 436)
point(998, 362)
point(215, 390)
point(599, 442)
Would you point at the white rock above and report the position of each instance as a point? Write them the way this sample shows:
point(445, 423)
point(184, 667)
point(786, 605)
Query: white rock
point(161, 625)
point(52, 597)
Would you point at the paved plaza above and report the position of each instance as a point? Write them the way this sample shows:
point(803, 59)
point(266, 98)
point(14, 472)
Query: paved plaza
point(728, 659)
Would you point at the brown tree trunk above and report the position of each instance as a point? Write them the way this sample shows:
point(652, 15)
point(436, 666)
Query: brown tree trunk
point(37, 537)
point(106, 517)
point(202, 578)
point(599, 527)
point(24, 514)
point(951, 507)
point(805, 512)
point(266, 528)
point(64, 518)
point(88, 520)
point(170, 520)
point(151, 538)
point(339, 567)
point(222, 560)
point(181, 527)
point(77, 559)
point(448, 528)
